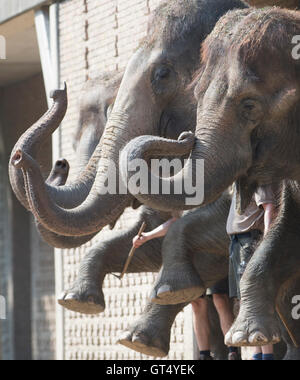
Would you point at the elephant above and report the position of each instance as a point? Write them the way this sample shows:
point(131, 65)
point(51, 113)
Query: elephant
point(162, 83)
point(108, 255)
point(152, 99)
point(247, 131)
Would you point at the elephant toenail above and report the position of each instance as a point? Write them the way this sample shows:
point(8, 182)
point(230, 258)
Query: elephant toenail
point(70, 296)
point(239, 337)
point(163, 289)
point(257, 337)
point(126, 335)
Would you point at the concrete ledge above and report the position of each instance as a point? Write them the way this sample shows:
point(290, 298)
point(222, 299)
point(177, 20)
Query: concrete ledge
point(12, 8)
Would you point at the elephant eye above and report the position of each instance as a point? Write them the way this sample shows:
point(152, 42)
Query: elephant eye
point(164, 80)
point(249, 105)
point(251, 110)
point(162, 73)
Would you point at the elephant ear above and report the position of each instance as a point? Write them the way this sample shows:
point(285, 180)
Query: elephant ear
point(244, 194)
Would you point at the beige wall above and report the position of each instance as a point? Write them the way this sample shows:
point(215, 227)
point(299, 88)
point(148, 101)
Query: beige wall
point(97, 36)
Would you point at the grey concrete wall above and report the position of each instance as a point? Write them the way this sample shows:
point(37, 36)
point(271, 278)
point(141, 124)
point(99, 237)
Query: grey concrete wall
point(32, 262)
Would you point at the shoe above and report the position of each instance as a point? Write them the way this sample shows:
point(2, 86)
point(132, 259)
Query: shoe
point(234, 356)
point(205, 357)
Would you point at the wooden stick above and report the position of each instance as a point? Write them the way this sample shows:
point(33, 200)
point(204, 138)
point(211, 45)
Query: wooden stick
point(287, 328)
point(131, 253)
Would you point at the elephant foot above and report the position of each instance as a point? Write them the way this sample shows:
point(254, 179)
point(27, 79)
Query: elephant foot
point(178, 285)
point(253, 330)
point(84, 300)
point(144, 343)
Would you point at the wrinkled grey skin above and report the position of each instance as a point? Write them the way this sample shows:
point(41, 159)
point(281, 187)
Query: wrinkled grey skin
point(151, 91)
point(96, 99)
point(247, 131)
point(195, 233)
point(109, 255)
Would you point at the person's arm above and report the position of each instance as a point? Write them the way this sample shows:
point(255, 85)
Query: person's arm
point(268, 216)
point(160, 231)
point(265, 197)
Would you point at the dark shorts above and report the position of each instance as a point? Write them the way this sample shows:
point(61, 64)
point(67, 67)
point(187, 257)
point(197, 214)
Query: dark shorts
point(221, 287)
point(242, 248)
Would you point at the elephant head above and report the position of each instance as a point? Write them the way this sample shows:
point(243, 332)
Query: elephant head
point(98, 96)
point(248, 112)
point(151, 100)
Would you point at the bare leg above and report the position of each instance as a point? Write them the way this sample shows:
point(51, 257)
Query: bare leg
point(201, 324)
point(224, 309)
point(267, 349)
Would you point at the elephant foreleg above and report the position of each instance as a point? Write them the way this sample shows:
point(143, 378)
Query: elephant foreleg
point(108, 256)
point(274, 263)
point(150, 334)
point(194, 250)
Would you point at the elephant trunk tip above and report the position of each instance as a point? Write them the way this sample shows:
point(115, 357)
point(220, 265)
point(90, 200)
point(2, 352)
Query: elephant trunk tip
point(62, 165)
point(187, 137)
point(17, 159)
point(56, 94)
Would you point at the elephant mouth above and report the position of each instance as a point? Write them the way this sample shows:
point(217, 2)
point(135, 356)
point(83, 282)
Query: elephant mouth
point(164, 125)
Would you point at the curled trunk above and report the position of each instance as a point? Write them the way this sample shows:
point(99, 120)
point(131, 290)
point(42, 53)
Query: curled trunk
point(96, 212)
point(67, 196)
point(217, 170)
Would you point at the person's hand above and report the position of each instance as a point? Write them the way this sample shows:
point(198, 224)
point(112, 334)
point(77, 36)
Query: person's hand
point(139, 241)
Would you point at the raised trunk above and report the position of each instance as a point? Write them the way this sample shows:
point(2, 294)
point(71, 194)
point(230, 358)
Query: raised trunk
point(31, 140)
point(98, 210)
point(68, 196)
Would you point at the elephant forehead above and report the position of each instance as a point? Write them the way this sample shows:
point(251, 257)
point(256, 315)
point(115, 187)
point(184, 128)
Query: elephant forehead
point(145, 57)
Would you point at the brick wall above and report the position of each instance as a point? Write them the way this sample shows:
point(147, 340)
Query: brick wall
point(97, 36)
